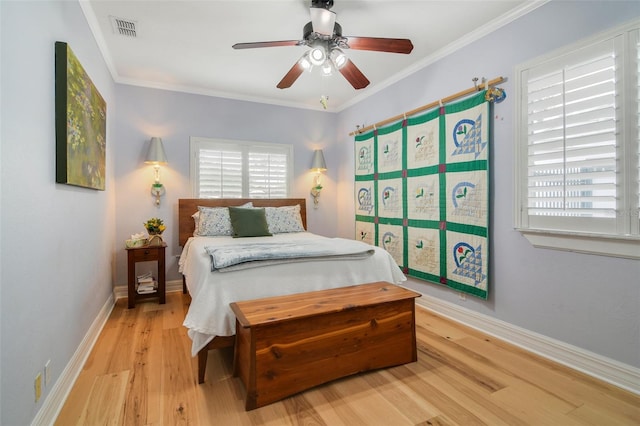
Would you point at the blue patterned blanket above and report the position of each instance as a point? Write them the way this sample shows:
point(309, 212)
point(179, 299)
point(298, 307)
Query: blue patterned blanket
point(252, 255)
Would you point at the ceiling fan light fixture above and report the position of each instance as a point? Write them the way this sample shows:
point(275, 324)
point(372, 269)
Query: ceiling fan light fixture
point(323, 21)
point(317, 56)
point(327, 68)
point(305, 62)
point(338, 57)
point(323, 36)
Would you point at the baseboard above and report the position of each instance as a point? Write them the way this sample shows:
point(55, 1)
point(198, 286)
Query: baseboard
point(611, 371)
point(55, 400)
point(120, 292)
point(606, 369)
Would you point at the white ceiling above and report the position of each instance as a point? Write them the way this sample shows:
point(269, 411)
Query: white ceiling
point(186, 45)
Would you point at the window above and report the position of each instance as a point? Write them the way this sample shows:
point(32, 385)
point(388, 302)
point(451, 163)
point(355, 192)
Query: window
point(577, 157)
point(238, 169)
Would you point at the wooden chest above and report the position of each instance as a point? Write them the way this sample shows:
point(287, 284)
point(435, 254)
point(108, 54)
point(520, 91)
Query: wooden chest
point(287, 344)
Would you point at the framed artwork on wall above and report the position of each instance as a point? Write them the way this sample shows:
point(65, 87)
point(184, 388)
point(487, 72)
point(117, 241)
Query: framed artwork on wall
point(81, 124)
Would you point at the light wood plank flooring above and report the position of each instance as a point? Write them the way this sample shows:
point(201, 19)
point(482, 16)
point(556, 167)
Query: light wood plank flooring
point(141, 373)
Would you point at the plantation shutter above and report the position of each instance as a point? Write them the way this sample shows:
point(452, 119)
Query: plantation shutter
point(267, 175)
point(238, 169)
point(220, 173)
point(572, 128)
point(578, 151)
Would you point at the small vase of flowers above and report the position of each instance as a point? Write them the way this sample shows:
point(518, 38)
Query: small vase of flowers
point(155, 227)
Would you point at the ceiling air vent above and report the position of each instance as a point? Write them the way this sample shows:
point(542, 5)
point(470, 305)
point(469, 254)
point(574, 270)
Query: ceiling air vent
point(124, 27)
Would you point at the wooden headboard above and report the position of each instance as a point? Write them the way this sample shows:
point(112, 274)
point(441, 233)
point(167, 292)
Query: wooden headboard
point(188, 206)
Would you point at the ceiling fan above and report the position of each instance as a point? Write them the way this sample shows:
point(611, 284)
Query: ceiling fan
point(324, 36)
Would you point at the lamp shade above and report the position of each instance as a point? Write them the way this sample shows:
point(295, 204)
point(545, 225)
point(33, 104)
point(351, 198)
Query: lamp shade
point(318, 164)
point(155, 154)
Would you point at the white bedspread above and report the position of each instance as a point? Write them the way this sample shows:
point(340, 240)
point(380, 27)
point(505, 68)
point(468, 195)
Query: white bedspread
point(209, 314)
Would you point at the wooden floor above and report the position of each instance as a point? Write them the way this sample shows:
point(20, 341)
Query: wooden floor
point(141, 373)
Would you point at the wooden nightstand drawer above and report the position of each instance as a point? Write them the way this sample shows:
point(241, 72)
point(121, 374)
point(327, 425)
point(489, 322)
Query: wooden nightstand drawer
point(145, 254)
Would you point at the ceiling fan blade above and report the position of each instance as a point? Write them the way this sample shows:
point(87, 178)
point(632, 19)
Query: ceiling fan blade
point(391, 45)
point(266, 44)
point(291, 77)
point(354, 75)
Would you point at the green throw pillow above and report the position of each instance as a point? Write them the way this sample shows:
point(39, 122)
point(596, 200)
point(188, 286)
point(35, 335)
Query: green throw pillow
point(248, 222)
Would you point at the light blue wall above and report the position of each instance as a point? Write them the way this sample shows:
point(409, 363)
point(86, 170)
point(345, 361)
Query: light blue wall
point(592, 302)
point(61, 247)
point(143, 113)
point(57, 241)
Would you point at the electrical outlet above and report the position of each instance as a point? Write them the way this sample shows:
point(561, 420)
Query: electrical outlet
point(47, 374)
point(462, 296)
point(38, 386)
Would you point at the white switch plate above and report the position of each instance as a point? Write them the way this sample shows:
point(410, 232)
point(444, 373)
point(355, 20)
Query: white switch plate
point(47, 373)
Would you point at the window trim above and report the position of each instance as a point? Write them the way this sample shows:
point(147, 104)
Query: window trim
point(195, 142)
point(624, 245)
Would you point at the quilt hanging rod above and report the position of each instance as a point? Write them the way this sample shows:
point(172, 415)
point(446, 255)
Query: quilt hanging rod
point(476, 88)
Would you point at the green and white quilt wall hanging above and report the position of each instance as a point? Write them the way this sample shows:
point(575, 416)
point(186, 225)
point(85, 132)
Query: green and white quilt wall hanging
point(422, 193)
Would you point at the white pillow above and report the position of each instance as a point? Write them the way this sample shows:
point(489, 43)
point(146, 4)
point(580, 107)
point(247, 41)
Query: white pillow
point(284, 219)
point(196, 220)
point(213, 221)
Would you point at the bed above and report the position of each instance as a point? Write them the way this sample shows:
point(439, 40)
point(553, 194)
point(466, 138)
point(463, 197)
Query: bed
point(210, 321)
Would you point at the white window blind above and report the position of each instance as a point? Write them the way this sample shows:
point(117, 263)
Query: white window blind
point(578, 162)
point(238, 169)
point(267, 175)
point(220, 173)
point(572, 138)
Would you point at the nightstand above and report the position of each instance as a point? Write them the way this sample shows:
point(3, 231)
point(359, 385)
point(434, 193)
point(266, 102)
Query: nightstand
point(145, 254)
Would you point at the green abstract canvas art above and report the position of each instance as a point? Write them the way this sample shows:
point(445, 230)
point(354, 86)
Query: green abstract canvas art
point(81, 123)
